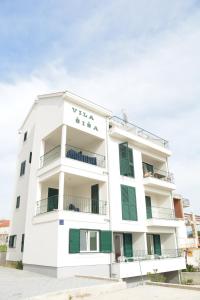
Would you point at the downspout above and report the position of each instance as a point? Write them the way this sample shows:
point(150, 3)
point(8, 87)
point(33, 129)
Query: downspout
point(108, 190)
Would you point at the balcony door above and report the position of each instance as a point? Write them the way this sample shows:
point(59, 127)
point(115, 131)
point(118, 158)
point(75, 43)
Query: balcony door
point(95, 198)
point(52, 199)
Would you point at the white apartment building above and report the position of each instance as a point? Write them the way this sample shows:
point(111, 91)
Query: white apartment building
point(93, 194)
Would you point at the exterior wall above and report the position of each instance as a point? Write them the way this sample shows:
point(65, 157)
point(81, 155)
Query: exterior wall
point(46, 247)
point(132, 269)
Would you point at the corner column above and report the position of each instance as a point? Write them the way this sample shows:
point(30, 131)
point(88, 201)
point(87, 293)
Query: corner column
point(61, 190)
point(63, 140)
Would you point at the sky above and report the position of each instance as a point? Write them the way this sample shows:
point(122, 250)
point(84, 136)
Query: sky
point(140, 56)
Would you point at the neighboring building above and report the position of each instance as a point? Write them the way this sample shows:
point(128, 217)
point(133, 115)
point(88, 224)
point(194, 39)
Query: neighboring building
point(4, 231)
point(93, 194)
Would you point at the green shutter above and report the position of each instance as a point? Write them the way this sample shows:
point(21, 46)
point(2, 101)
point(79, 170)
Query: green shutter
point(156, 243)
point(128, 247)
point(128, 201)
point(106, 241)
point(95, 198)
point(52, 199)
point(123, 158)
point(131, 165)
point(124, 202)
point(148, 207)
point(132, 204)
point(74, 241)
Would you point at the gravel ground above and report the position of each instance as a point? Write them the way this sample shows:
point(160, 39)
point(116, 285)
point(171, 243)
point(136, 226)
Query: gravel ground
point(147, 292)
point(17, 284)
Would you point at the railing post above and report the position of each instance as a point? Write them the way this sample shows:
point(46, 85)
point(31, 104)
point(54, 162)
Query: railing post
point(63, 140)
point(61, 191)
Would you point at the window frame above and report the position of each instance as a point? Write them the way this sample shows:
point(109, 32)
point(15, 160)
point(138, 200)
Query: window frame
point(14, 241)
point(88, 248)
point(25, 136)
point(30, 157)
point(23, 168)
point(18, 202)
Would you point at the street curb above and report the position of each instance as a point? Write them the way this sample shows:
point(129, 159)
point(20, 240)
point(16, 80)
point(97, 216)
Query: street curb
point(82, 292)
point(174, 285)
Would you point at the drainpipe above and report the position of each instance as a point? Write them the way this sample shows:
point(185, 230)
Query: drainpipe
point(108, 189)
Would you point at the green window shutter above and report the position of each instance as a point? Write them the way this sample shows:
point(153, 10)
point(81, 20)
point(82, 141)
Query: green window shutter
point(128, 201)
point(105, 241)
point(148, 207)
point(124, 202)
point(124, 159)
point(156, 243)
point(52, 199)
point(132, 204)
point(74, 241)
point(128, 247)
point(131, 165)
point(95, 198)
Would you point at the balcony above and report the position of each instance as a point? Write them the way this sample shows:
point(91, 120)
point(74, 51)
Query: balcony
point(161, 213)
point(138, 131)
point(73, 153)
point(142, 263)
point(72, 203)
point(161, 216)
point(156, 173)
point(157, 178)
point(85, 156)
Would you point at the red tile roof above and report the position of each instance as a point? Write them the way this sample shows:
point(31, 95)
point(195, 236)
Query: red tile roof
point(4, 223)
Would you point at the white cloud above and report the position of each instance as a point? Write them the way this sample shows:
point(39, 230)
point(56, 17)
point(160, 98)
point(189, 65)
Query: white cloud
point(159, 88)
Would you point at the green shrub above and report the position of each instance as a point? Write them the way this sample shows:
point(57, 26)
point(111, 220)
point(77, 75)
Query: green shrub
point(3, 248)
point(156, 277)
point(187, 281)
point(19, 265)
point(190, 268)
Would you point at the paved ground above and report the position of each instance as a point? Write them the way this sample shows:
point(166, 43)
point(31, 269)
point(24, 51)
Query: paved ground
point(150, 293)
point(17, 284)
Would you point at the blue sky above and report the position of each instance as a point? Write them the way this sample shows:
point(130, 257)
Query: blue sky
point(141, 56)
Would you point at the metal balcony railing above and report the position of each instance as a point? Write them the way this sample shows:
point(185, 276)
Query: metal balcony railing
point(74, 153)
point(72, 203)
point(154, 212)
point(85, 156)
point(50, 156)
point(84, 204)
point(156, 173)
point(139, 255)
point(140, 132)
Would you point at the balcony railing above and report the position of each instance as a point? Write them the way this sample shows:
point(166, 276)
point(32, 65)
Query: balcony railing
point(73, 153)
point(84, 204)
point(140, 132)
point(154, 212)
point(156, 173)
point(85, 156)
point(143, 255)
point(72, 203)
point(50, 156)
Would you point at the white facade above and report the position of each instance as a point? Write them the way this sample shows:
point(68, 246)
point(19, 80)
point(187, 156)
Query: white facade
point(72, 189)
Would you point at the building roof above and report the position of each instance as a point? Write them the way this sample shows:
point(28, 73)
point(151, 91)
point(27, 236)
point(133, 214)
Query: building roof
point(4, 223)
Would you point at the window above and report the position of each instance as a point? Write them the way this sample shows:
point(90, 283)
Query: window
point(22, 169)
point(126, 160)
point(128, 202)
point(89, 241)
point(22, 243)
point(153, 244)
point(189, 231)
point(30, 157)
point(25, 136)
point(18, 202)
point(84, 240)
point(12, 241)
